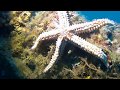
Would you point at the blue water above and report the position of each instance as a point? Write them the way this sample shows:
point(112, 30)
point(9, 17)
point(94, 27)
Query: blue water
point(90, 15)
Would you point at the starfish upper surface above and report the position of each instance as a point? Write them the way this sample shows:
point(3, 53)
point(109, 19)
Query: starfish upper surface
point(65, 32)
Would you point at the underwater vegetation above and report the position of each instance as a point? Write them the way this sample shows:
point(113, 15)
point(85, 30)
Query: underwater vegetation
point(20, 29)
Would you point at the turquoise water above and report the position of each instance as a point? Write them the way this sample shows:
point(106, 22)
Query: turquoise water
point(113, 15)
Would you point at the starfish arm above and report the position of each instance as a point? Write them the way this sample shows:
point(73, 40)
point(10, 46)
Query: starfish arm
point(63, 18)
point(90, 26)
point(59, 47)
point(46, 36)
point(78, 41)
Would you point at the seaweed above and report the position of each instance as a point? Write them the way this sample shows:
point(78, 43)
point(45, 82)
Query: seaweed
point(25, 26)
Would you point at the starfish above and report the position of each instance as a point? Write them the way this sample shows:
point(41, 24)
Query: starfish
point(67, 32)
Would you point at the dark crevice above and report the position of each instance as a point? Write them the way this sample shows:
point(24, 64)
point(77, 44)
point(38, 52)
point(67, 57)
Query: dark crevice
point(8, 69)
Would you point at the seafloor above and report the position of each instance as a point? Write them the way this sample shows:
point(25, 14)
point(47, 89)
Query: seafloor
point(19, 30)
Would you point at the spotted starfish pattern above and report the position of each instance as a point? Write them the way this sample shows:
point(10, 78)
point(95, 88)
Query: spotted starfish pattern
point(66, 32)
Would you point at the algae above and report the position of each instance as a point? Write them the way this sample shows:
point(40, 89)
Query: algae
point(73, 64)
